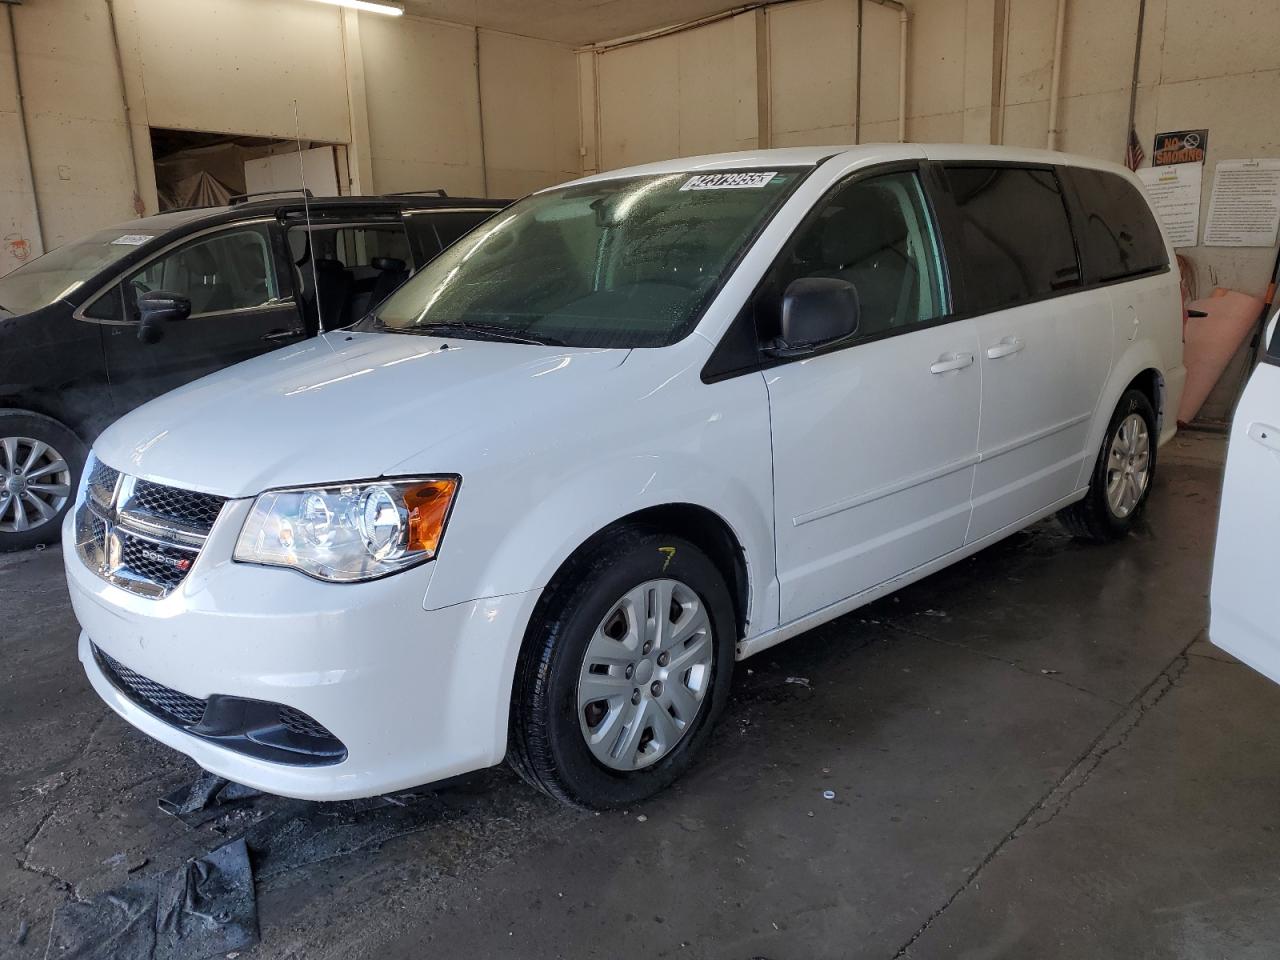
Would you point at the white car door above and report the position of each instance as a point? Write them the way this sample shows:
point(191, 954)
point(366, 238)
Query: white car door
point(1243, 617)
point(1045, 350)
point(874, 443)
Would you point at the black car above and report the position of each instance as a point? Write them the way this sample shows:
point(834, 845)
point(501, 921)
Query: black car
point(82, 332)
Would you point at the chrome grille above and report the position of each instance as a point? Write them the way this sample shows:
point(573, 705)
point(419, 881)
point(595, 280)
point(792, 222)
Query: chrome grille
point(187, 507)
point(156, 562)
point(141, 536)
point(101, 483)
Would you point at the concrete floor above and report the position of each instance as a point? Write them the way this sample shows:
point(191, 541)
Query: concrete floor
point(1034, 754)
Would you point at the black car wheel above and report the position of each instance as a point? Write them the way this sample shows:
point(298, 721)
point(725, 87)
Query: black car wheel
point(40, 466)
point(625, 668)
point(1122, 474)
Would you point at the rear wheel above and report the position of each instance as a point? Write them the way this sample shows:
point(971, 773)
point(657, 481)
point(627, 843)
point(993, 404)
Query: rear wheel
point(625, 668)
point(1122, 475)
point(40, 466)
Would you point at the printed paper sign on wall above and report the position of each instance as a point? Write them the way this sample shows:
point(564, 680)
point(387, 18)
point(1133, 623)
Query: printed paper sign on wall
point(1244, 208)
point(1174, 193)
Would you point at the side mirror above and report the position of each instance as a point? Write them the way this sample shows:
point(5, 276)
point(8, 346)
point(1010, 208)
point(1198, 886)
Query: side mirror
point(816, 311)
point(157, 308)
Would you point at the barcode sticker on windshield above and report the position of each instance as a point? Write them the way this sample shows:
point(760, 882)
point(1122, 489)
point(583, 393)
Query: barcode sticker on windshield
point(133, 239)
point(729, 181)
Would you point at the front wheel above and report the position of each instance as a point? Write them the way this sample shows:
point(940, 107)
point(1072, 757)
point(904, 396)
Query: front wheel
point(1122, 475)
point(40, 465)
point(625, 668)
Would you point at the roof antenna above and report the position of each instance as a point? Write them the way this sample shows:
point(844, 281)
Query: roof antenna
point(306, 208)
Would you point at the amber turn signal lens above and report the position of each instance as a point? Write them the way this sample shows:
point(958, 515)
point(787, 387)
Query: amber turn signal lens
point(428, 506)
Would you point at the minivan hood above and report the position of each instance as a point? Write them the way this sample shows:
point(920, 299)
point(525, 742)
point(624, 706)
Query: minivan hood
point(344, 406)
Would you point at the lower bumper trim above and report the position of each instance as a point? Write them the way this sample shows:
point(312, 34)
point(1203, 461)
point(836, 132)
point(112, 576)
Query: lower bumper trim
point(255, 728)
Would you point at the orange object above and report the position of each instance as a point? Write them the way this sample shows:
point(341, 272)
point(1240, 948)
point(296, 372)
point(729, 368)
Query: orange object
point(428, 505)
point(1211, 341)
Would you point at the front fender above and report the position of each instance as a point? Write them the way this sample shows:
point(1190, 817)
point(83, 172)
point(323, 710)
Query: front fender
point(517, 520)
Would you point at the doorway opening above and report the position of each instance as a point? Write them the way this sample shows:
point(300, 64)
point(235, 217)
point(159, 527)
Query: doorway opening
point(201, 169)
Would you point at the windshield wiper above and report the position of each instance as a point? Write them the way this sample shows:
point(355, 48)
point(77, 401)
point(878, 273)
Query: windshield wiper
point(482, 331)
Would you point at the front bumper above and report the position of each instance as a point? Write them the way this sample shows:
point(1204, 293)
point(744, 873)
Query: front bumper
point(413, 695)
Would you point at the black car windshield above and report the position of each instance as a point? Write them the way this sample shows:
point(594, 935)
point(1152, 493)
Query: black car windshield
point(61, 272)
point(616, 263)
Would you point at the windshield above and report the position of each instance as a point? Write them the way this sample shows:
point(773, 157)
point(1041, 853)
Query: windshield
point(618, 263)
point(58, 273)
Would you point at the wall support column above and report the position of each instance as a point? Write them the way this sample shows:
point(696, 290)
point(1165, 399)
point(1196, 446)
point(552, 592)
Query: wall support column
point(359, 159)
point(764, 87)
point(484, 160)
point(26, 143)
point(1055, 78)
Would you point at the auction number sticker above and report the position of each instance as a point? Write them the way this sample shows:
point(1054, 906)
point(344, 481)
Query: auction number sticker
point(729, 181)
point(133, 239)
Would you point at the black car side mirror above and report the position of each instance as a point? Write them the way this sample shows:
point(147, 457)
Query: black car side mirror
point(816, 311)
point(157, 308)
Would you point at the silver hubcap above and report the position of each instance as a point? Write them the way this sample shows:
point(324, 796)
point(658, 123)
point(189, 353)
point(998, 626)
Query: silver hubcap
point(645, 675)
point(1128, 466)
point(35, 483)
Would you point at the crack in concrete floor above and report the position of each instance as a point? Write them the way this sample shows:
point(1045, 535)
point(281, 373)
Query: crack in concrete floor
point(1056, 799)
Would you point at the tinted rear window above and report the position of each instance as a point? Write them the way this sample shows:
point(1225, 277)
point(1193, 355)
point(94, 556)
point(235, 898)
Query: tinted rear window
point(1119, 236)
point(1015, 238)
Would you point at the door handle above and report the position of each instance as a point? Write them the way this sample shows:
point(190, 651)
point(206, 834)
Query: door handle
point(1005, 348)
point(948, 362)
point(1266, 435)
point(278, 336)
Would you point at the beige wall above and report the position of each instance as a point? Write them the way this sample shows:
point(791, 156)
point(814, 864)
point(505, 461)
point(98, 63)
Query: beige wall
point(689, 93)
point(530, 93)
point(223, 66)
point(75, 121)
point(424, 114)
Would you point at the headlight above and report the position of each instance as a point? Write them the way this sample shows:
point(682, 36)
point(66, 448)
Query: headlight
point(355, 531)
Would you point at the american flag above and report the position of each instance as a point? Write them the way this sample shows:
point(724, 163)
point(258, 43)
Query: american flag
point(1133, 155)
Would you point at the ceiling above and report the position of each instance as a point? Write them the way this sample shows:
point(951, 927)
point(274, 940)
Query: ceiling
point(570, 21)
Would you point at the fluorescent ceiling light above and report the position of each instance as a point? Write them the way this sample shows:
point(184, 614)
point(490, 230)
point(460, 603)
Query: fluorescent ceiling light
point(369, 6)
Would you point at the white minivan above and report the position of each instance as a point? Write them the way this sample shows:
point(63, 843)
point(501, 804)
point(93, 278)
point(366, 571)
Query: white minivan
point(629, 431)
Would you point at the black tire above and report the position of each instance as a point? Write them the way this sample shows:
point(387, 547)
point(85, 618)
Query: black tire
point(1092, 518)
point(546, 745)
point(35, 426)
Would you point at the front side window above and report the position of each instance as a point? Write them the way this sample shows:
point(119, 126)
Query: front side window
point(1119, 235)
point(876, 234)
point(230, 270)
point(616, 263)
point(1015, 239)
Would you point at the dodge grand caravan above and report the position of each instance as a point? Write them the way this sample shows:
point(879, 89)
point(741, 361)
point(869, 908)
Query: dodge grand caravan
point(629, 431)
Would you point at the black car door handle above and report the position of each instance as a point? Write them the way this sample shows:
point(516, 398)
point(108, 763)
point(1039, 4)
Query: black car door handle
point(279, 336)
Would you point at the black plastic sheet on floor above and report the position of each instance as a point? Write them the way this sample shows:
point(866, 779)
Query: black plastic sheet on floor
point(204, 908)
point(205, 798)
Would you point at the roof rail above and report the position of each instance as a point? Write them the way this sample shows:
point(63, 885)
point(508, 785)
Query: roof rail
point(417, 193)
point(238, 198)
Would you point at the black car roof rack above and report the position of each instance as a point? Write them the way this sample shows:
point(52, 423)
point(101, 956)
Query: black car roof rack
point(238, 198)
point(417, 193)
